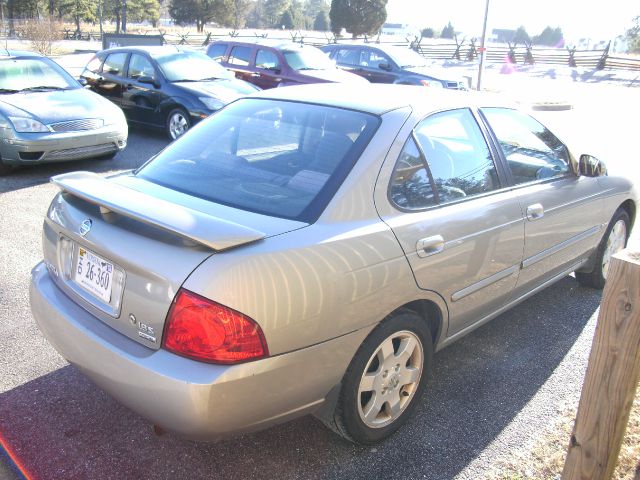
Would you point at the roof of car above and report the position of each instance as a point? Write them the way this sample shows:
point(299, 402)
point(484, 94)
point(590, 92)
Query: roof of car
point(379, 98)
point(267, 42)
point(153, 50)
point(380, 46)
point(17, 53)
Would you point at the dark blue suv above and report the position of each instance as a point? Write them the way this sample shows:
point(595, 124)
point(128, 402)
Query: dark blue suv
point(389, 64)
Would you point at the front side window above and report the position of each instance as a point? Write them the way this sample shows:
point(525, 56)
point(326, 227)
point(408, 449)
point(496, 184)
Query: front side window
point(217, 51)
point(284, 159)
point(533, 153)
point(348, 56)
point(240, 56)
point(114, 64)
point(140, 66)
point(373, 59)
point(267, 60)
point(457, 155)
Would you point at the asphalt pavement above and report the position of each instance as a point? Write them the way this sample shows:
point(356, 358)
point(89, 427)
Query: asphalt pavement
point(494, 391)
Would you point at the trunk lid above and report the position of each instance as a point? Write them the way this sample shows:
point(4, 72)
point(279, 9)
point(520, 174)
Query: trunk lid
point(144, 240)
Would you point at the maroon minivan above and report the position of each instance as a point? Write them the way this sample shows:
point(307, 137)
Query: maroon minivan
point(277, 63)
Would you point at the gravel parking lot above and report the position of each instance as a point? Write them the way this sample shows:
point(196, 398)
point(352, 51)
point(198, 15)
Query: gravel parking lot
point(494, 391)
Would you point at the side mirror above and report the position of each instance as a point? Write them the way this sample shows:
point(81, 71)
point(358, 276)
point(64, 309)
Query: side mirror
point(590, 166)
point(384, 66)
point(147, 79)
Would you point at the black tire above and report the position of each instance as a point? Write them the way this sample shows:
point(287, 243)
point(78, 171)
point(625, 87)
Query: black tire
point(597, 277)
point(347, 420)
point(177, 123)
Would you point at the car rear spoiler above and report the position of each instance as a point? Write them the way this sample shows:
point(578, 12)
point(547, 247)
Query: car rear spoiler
point(212, 232)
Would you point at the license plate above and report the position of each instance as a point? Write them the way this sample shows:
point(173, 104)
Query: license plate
point(94, 274)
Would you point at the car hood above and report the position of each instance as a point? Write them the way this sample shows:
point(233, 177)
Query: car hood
point(224, 89)
point(56, 105)
point(333, 75)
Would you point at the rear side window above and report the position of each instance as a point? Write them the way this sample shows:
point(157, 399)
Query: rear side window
point(457, 155)
point(533, 153)
point(284, 159)
point(217, 51)
point(240, 56)
point(411, 188)
point(114, 64)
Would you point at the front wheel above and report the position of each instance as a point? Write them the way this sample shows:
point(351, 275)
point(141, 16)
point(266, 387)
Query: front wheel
point(385, 379)
point(178, 123)
point(614, 240)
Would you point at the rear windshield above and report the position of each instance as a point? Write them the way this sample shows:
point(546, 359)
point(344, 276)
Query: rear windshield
point(278, 158)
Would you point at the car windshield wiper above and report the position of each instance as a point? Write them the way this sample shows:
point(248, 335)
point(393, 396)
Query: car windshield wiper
point(186, 80)
point(8, 90)
point(310, 68)
point(208, 79)
point(43, 87)
point(413, 66)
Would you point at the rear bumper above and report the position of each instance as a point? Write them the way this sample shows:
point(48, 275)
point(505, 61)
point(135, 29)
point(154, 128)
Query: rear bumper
point(196, 400)
point(36, 148)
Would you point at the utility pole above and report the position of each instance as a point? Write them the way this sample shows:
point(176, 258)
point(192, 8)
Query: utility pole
point(483, 49)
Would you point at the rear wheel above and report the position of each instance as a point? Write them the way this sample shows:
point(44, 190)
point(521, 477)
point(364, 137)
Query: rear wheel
point(178, 123)
point(385, 379)
point(614, 240)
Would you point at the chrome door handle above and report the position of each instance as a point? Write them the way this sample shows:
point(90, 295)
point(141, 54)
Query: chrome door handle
point(430, 246)
point(535, 211)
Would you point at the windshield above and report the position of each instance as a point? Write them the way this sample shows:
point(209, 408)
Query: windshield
point(189, 66)
point(33, 73)
point(308, 58)
point(284, 159)
point(405, 57)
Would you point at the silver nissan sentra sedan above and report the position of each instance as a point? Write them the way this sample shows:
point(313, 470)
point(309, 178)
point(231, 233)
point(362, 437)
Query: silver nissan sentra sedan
point(308, 249)
point(47, 116)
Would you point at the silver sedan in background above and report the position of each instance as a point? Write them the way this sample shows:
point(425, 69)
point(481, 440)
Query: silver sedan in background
point(47, 116)
point(307, 250)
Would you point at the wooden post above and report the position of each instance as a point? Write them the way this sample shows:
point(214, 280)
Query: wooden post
point(612, 376)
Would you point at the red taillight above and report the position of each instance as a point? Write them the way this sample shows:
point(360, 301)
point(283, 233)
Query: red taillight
point(202, 329)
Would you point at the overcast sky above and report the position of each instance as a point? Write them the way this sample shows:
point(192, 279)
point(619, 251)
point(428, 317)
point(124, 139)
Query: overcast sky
point(578, 18)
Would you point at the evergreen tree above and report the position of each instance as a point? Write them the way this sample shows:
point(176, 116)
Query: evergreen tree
point(201, 11)
point(551, 37)
point(633, 36)
point(287, 20)
point(321, 23)
point(521, 36)
point(358, 17)
point(428, 32)
point(448, 31)
point(79, 11)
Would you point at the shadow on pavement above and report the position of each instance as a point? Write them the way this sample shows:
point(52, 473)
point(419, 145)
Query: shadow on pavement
point(142, 144)
point(61, 426)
